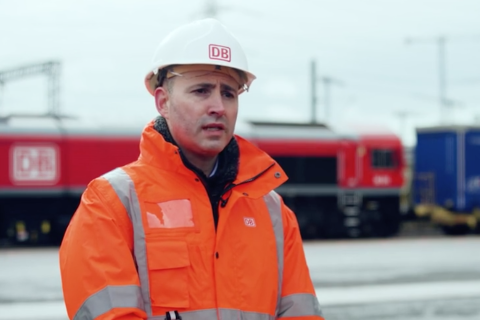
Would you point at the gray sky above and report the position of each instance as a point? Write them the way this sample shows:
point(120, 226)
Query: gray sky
point(106, 47)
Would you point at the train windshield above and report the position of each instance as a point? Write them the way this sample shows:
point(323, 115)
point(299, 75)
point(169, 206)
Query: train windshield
point(383, 159)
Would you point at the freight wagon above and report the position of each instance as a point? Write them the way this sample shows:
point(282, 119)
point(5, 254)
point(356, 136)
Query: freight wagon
point(446, 185)
point(340, 185)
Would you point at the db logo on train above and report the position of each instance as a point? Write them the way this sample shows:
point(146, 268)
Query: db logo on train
point(34, 164)
point(381, 180)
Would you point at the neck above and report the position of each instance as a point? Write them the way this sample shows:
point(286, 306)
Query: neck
point(203, 163)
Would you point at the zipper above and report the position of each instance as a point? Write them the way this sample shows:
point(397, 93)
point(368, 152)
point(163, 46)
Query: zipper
point(223, 202)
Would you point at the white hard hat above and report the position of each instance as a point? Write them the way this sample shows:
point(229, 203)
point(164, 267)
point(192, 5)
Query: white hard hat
point(202, 42)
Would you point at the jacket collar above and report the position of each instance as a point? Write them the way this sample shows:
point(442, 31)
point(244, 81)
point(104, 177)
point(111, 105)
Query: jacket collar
point(253, 164)
point(227, 160)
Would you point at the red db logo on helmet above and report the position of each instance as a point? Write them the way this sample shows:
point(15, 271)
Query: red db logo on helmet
point(217, 52)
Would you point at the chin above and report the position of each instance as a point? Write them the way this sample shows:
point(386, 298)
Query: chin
point(213, 149)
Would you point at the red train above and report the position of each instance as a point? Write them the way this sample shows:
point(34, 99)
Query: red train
point(339, 186)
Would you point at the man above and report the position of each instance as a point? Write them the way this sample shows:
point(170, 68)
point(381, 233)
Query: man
point(193, 228)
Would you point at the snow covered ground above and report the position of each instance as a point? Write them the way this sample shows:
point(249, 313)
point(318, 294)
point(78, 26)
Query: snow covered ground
point(401, 279)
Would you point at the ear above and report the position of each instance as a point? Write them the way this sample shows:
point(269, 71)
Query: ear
point(161, 98)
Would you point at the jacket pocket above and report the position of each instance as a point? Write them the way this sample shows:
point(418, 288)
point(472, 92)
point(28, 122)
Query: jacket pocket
point(168, 264)
point(169, 217)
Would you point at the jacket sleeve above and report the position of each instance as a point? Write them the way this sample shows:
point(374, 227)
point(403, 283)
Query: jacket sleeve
point(99, 278)
point(298, 299)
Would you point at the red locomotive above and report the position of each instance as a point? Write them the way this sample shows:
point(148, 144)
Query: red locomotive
point(339, 185)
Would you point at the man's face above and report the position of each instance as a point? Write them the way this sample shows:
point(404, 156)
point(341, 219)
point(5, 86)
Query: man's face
point(201, 110)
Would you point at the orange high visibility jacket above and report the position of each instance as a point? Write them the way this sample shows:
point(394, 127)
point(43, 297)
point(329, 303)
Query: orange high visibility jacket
point(143, 245)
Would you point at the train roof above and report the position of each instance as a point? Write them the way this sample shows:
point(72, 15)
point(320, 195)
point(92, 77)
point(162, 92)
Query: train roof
point(46, 125)
point(289, 130)
point(448, 128)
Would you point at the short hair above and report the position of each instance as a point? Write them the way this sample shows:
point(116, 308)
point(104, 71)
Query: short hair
point(169, 84)
point(162, 80)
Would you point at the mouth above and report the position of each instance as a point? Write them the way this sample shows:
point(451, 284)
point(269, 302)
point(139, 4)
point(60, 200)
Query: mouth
point(214, 127)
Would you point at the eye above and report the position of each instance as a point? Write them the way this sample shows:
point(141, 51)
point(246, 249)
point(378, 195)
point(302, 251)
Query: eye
point(228, 94)
point(201, 91)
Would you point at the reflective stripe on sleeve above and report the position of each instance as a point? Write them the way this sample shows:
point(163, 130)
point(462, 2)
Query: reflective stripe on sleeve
point(299, 305)
point(109, 298)
point(125, 190)
point(272, 200)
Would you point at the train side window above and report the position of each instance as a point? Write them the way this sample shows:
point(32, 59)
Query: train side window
point(309, 170)
point(383, 159)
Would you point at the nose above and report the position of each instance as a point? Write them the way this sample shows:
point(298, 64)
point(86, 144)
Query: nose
point(216, 104)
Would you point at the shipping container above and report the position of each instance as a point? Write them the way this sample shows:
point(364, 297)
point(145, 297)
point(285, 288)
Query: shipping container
point(447, 177)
